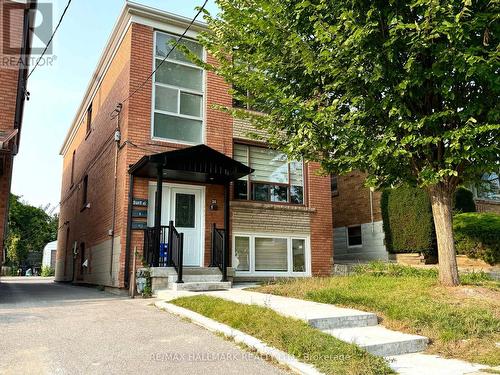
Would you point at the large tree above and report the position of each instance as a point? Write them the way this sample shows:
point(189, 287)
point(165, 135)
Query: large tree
point(30, 229)
point(406, 91)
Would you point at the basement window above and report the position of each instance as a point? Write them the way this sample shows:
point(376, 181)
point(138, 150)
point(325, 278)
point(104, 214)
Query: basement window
point(354, 236)
point(270, 255)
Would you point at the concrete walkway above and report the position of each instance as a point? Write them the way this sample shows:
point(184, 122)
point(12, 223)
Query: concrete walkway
point(53, 328)
point(353, 326)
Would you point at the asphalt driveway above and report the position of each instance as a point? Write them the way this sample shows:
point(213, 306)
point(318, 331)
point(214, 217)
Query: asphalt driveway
point(53, 328)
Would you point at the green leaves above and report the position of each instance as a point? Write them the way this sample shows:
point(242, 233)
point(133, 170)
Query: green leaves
point(403, 91)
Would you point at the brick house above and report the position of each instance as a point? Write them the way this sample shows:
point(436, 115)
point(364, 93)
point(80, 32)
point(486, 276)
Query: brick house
point(15, 49)
point(165, 162)
point(357, 220)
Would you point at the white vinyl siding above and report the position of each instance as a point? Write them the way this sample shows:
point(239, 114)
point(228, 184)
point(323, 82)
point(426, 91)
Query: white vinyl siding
point(178, 92)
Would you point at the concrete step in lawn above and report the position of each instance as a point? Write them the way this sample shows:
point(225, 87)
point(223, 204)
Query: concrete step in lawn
point(318, 315)
point(418, 363)
point(381, 341)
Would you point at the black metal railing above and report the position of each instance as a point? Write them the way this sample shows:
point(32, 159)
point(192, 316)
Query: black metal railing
point(176, 250)
point(156, 247)
point(219, 251)
point(164, 248)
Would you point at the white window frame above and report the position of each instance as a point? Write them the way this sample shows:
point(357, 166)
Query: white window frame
point(179, 90)
point(289, 238)
point(347, 236)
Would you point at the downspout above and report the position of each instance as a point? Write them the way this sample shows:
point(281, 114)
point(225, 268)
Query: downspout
point(129, 227)
point(115, 183)
point(371, 210)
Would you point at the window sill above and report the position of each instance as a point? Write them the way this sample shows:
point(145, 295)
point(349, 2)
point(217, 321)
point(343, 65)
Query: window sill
point(271, 206)
point(156, 141)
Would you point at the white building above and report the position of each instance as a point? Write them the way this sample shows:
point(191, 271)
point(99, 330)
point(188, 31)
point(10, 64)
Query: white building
point(49, 255)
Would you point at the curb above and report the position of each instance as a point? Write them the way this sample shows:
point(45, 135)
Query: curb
point(240, 337)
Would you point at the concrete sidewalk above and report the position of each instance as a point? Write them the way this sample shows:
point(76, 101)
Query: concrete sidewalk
point(402, 350)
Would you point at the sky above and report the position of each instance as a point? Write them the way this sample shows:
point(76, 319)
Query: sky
point(56, 91)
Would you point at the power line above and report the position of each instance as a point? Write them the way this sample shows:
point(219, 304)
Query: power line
point(168, 54)
point(50, 40)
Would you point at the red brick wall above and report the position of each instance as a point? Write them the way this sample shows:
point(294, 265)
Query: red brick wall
point(352, 204)
point(9, 74)
point(129, 69)
point(487, 206)
point(95, 157)
point(319, 198)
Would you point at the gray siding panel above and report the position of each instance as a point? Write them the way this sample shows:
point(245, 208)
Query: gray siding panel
point(373, 247)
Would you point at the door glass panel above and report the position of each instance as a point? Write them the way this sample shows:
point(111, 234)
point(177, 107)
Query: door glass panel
point(271, 254)
point(242, 253)
point(184, 210)
point(298, 255)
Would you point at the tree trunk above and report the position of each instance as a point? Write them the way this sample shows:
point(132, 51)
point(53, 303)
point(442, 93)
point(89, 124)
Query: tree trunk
point(441, 202)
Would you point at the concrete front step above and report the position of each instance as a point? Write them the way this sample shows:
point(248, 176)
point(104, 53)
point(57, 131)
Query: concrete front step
point(196, 278)
point(201, 271)
point(197, 286)
point(381, 341)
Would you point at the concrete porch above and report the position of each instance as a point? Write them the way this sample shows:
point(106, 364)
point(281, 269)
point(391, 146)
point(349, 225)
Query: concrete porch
point(194, 279)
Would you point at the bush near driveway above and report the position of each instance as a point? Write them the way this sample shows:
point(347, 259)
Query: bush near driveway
point(327, 353)
point(461, 322)
point(477, 235)
point(47, 271)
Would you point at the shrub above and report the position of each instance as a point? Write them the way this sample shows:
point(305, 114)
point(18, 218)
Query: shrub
point(407, 216)
point(47, 271)
point(477, 235)
point(463, 201)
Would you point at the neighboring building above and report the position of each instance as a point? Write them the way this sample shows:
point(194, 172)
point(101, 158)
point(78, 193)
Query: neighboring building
point(357, 220)
point(172, 140)
point(17, 17)
point(487, 193)
point(49, 255)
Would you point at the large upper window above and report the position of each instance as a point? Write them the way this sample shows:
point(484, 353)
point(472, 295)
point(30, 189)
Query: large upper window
point(178, 92)
point(275, 179)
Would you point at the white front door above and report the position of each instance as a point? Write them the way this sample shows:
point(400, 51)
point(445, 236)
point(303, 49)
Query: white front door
point(185, 211)
point(183, 205)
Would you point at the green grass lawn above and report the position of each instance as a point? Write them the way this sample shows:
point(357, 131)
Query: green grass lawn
point(325, 352)
point(462, 322)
